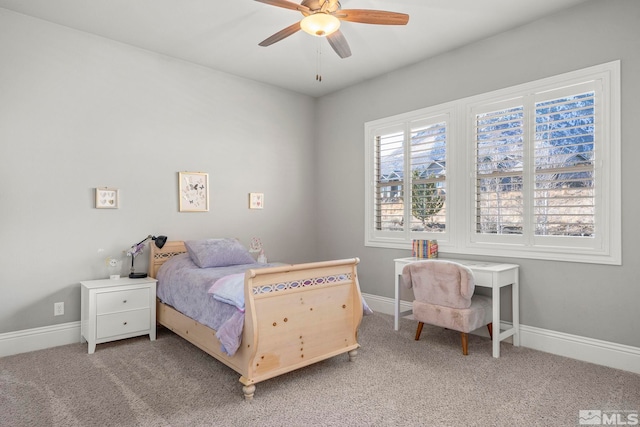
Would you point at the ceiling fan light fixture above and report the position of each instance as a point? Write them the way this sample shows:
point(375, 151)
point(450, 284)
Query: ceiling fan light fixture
point(320, 24)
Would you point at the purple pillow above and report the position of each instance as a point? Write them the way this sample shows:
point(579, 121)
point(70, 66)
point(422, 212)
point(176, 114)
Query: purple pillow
point(218, 252)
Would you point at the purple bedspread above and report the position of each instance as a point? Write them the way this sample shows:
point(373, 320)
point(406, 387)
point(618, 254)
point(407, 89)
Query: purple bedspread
point(183, 285)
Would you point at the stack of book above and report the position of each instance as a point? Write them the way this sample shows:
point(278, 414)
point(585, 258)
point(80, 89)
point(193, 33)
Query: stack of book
point(425, 249)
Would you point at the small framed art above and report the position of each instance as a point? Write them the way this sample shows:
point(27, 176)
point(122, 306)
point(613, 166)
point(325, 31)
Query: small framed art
point(193, 188)
point(256, 200)
point(106, 198)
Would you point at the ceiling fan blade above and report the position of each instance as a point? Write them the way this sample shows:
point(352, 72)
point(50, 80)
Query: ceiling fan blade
point(367, 16)
point(339, 44)
point(291, 29)
point(286, 4)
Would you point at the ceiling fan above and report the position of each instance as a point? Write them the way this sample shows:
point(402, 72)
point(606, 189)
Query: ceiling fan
point(322, 18)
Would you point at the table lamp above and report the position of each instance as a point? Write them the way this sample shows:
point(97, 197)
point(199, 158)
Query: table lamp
point(138, 248)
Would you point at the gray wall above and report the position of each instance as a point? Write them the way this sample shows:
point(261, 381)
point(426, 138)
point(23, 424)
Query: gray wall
point(79, 112)
point(595, 301)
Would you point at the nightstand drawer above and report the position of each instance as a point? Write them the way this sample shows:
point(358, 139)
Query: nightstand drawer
point(127, 322)
point(111, 302)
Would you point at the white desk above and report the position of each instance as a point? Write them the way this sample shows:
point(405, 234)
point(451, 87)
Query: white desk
point(488, 275)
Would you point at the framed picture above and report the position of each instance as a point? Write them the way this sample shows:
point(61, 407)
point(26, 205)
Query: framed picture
point(106, 198)
point(256, 200)
point(193, 188)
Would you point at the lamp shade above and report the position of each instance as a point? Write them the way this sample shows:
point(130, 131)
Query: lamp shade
point(320, 24)
point(160, 241)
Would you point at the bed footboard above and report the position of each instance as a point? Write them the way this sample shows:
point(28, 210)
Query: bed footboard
point(298, 315)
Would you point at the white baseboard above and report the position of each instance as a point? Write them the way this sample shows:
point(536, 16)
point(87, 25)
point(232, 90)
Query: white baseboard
point(590, 350)
point(39, 338)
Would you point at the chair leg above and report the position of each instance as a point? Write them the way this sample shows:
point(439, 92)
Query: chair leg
point(419, 330)
point(465, 343)
point(490, 328)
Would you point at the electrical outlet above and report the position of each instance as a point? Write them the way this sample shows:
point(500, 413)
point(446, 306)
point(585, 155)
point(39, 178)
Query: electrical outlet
point(58, 309)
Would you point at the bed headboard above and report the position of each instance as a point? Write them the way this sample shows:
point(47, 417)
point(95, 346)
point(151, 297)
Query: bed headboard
point(157, 256)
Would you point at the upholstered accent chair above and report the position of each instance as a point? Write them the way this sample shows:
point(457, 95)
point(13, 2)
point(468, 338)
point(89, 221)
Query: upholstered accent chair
point(443, 292)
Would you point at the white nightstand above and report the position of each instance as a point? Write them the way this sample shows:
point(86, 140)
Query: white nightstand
point(113, 309)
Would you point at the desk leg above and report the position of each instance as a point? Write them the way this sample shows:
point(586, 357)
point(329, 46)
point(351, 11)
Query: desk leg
point(515, 292)
point(495, 296)
point(396, 305)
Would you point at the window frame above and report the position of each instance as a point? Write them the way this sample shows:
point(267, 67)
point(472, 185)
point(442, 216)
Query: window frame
point(460, 237)
point(402, 239)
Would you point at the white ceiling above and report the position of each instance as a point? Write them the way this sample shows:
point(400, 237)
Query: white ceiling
point(224, 35)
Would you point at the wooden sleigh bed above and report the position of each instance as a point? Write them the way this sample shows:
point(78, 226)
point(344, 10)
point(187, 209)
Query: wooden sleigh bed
point(286, 326)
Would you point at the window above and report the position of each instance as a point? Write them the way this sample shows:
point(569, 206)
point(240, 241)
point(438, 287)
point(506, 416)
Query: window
point(499, 140)
point(534, 172)
point(564, 164)
point(409, 171)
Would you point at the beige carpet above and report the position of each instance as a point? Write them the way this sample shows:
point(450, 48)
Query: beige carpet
point(395, 381)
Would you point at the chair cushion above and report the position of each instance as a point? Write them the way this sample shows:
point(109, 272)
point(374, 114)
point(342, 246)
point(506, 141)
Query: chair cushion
point(459, 319)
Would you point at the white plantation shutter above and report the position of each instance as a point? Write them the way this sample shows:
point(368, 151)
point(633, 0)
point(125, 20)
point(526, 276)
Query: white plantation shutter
point(564, 159)
point(404, 206)
point(499, 149)
point(389, 177)
point(557, 180)
point(428, 174)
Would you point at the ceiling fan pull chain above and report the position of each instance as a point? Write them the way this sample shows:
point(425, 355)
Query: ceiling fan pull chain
point(319, 62)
